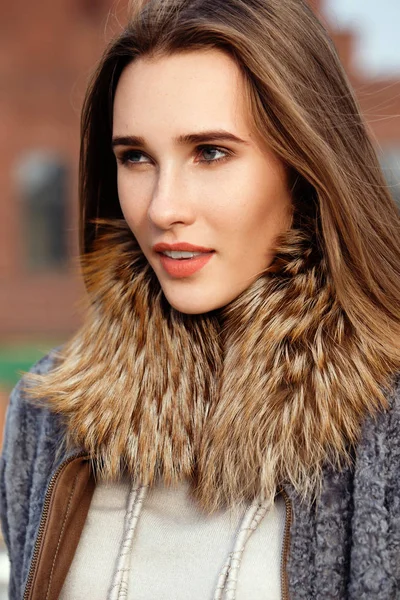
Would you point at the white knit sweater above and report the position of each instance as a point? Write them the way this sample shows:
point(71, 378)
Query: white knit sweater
point(178, 552)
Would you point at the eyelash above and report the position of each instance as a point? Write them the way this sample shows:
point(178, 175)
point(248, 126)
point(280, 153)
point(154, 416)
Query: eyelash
point(124, 158)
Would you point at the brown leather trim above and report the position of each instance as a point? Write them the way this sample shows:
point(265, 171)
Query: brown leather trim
point(68, 510)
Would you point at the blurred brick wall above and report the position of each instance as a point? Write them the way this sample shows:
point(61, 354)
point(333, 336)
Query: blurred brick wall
point(47, 51)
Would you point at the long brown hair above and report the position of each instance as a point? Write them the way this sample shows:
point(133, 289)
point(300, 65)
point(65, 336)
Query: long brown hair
point(303, 106)
point(279, 382)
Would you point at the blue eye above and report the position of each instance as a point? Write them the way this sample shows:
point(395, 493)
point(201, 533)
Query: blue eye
point(211, 155)
point(204, 150)
point(130, 157)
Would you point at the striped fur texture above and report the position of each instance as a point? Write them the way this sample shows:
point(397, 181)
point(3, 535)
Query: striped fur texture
point(264, 391)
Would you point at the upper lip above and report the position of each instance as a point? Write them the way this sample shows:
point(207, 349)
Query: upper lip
point(180, 246)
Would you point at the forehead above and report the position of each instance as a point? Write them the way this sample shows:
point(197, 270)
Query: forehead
point(189, 91)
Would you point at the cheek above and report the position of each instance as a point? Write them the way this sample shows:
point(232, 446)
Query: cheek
point(271, 206)
point(255, 203)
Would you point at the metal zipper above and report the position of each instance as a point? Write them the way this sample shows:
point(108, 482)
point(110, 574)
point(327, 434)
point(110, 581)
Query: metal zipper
point(43, 520)
point(286, 546)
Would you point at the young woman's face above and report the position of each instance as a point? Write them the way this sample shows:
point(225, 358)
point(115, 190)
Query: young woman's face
point(203, 196)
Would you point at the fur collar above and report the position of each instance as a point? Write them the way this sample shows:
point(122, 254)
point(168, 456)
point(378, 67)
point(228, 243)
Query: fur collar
point(265, 391)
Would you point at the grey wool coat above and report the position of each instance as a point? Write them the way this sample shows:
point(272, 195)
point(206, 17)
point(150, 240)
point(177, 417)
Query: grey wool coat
point(345, 547)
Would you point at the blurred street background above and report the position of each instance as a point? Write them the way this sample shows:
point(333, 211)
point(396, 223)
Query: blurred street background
point(48, 50)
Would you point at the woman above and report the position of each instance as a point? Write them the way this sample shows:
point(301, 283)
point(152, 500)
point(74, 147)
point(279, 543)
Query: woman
point(226, 422)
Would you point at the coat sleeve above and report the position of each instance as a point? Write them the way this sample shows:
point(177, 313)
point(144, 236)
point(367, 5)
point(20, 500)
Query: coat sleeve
point(17, 459)
point(3, 462)
point(393, 486)
point(12, 439)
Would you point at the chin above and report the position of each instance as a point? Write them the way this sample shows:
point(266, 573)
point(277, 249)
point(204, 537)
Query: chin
point(192, 306)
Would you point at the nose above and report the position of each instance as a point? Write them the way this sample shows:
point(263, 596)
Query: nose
point(170, 204)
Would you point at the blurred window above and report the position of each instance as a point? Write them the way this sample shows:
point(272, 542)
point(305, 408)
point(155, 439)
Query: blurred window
point(42, 180)
point(91, 8)
point(390, 162)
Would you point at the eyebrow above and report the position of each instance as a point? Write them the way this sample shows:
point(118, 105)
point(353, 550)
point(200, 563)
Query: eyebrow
point(188, 138)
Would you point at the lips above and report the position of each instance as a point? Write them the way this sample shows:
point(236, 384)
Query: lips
point(182, 259)
point(180, 246)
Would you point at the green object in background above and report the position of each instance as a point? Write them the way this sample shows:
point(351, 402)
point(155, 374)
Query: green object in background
point(20, 357)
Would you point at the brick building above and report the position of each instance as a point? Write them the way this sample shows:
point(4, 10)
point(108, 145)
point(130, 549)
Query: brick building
point(47, 51)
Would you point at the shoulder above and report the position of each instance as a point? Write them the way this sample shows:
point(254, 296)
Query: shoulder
point(392, 429)
point(28, 425)
point(23, 418)
point(380, 439)
point(394, 394)
point(30, 430)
